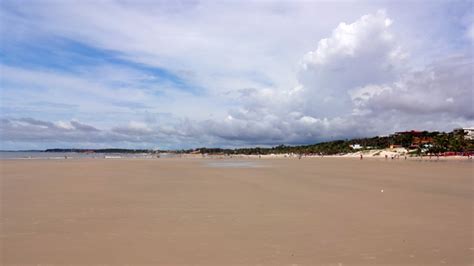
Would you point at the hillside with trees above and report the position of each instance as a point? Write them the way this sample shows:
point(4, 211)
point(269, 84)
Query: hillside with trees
point(417, 141)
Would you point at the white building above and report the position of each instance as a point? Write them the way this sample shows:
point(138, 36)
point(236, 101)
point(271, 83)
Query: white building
point(356, 146)
point(468, 132)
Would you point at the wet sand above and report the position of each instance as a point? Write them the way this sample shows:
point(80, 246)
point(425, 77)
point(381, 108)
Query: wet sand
point(274, 211)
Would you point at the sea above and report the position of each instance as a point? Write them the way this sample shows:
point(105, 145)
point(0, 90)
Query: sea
point(23, 155)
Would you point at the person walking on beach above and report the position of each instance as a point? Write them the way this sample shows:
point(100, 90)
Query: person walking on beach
point(361, 157)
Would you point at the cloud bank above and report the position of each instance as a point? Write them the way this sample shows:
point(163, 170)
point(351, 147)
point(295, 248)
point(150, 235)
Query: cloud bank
point(178, 84)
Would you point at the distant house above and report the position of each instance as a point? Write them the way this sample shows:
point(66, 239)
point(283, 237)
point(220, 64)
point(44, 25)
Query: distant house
point(468, 132)
point(418, 138)
point(421, 140)
point(355, 146)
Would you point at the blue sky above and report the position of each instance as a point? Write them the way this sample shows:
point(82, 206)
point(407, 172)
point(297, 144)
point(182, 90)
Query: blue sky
point(170, 74)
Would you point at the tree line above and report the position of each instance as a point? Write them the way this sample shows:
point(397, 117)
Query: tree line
point(439, 142)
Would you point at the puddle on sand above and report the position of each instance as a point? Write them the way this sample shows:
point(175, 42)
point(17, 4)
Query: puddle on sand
point(230, 164)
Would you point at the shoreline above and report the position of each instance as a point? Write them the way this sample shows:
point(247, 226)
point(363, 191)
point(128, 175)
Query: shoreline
point(249, 157)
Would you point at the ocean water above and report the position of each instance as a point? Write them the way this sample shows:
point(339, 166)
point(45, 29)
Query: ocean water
point(10, 155)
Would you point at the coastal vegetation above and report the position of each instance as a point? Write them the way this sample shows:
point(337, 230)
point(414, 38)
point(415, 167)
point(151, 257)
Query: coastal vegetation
point(417, 141)
point(110, 150)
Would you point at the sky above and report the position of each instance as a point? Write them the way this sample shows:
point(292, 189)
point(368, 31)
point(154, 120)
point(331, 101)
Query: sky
point(188, 74)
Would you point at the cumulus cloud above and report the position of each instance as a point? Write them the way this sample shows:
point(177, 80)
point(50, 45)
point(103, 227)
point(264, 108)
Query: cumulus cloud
point(80, 135)
point(470, 32)
point(30, 129)
point(360, 79)
point(362, 52)
point(134, 128)
point(444, 86)
point(356, 83)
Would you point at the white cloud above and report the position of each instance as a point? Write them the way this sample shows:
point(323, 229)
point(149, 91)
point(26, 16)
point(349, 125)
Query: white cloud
point(258, 84)
point(470, 32)
point(365, 51)
point(134, 128)
point(442, 87)
point(350, 41)
point(355, 83)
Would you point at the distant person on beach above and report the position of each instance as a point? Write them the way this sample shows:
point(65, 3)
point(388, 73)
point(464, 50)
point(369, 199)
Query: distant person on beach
point(361, 157)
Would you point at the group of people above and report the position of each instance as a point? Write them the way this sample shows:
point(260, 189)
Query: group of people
point(386, 156)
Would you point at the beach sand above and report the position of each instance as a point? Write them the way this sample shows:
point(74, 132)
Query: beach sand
point(330, 211)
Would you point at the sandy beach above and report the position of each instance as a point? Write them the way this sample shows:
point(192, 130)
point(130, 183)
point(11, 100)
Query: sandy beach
point(331, 211)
